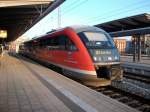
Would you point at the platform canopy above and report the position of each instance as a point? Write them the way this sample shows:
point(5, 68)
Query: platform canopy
point(17, 16)
point(133, 25)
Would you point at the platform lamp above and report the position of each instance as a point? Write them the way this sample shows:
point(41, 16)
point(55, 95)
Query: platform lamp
point(3, 35)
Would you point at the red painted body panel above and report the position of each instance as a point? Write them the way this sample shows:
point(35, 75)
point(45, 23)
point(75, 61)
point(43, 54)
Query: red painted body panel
point(79, 59)
point(77, 64)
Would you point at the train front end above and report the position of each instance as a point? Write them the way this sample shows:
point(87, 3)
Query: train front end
point(105, 56)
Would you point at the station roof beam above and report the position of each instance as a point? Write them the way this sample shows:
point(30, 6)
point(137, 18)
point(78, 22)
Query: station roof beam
point(133, 25)
point(17, 16)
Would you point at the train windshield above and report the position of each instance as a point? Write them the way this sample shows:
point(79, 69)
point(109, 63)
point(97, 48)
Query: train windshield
point(96, 40)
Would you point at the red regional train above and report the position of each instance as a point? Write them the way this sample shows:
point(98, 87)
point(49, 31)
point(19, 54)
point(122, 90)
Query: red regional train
point(85, 53)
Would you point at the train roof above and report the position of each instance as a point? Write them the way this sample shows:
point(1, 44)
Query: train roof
point(81, 28)
point(76, 28)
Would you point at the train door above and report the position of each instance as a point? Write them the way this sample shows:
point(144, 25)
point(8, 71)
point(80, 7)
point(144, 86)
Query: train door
point(61, 51)
point(71, 59)
point(64, 51)
point(56, 52)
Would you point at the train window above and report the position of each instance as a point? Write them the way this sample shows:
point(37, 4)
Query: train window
point(44, 43)
point(41, 43)
point(47, 42)
point(70, 46)
point(95, 36)
point(52, 43)
point(96, 40)
point(34, 44)
point(60, 42)
point(82, 37)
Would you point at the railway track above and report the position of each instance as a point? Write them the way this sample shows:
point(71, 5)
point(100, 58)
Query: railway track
point(140, 78)
point(129, 99)
point(135, 84)
point(133, 91)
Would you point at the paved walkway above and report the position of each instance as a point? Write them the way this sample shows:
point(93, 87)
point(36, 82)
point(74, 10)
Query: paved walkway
point(28, 87)
point(21, 91)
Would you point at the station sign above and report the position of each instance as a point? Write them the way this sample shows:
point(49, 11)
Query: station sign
point(3, 33)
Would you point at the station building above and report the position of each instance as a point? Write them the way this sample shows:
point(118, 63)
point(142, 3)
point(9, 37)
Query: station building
point(127, 46)
point(120, 44)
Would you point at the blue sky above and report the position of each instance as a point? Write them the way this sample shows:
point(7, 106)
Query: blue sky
point(89, 12)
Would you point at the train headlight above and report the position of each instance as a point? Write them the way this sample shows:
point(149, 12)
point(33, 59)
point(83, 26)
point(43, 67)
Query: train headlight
point(94, 58)
point(109, 58)
point(99, 58)
point(116, 57)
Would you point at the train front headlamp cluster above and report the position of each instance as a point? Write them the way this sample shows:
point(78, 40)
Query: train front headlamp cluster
point(97, 58)
point(109, 58)
point(116, 57)
point(94, 58)
point(106, 58)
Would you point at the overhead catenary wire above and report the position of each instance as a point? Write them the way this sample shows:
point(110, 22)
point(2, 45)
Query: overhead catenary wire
point(70, 5)
point(77, 4)
point(118, 13)
point(74, 7)
point(115, 10)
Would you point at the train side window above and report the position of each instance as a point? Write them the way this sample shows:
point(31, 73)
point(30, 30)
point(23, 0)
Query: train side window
point(82, 37)
point(41, 43)
point(48, 44)
point(52, 43)
point(55, 43)
point(70, 46)
point(66, 44)
point(62, 42)
point(44, 43)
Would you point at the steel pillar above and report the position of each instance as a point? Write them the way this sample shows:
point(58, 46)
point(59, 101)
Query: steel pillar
point(139, 48)
point(134, 48)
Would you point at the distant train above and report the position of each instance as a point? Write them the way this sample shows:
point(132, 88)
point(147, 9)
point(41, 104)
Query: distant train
point(85, 53)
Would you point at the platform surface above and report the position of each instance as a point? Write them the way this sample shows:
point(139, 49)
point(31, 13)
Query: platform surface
point(26, 86)
point(143, 65)
point(145, 61)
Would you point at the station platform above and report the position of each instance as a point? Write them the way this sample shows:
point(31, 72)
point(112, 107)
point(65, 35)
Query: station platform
point(26, 86)
point(145, 60)
point(140, 68)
